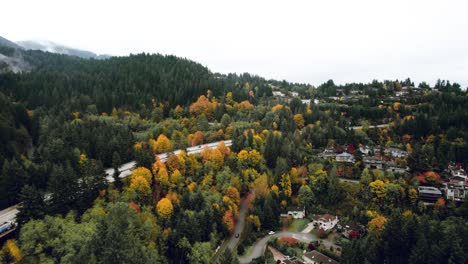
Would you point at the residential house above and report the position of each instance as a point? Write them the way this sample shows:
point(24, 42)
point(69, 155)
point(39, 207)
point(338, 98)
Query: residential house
point(395, 152)
point(352, 229)
point(345, 157)
point(373, 162)
point(457, 172)
point(327, 153)
point(456, 190)
point(393, 167)
point(401, 93)
point(294, 94)
point(429, 193)
point(295, 212)
point(326, 221)
point(315, 257)
point(305, 101)
point(278, 94)
point(367, 150)
point(292, 260)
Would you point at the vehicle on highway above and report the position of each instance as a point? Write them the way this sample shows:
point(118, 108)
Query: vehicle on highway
point(237, 235)
point(271, 232)
point(6, 226)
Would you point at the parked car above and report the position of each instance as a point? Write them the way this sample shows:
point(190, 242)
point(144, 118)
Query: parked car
point(271, 232)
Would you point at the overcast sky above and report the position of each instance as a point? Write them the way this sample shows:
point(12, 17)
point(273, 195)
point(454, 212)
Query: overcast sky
point(300, 41)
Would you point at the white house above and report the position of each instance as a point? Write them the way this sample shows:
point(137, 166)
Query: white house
point(326, 221)
point(305, 101)
point(278, 93)
point(395, 152)
point(294, 94)
point(456, 190)
point(295, 212)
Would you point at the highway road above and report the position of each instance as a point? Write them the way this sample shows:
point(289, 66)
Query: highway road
point(126, 169)
point(9, 214)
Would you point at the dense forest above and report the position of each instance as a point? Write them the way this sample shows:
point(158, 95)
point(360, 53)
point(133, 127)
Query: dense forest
point(67, 119)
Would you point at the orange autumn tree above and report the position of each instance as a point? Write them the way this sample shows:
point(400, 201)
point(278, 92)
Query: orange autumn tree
point(377, 224)
point(223, 149)
point(196, 138)
point(228, 220)
point(203, 105)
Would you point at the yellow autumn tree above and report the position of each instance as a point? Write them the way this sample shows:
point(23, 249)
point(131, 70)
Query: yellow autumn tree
point(165, 208)
point(249, 158)
point(285, 184)
point(233, 194)
point(162, 178)
point(377, 224)
point(255, 220)
point(176, 178)
point(144, 172)
point(378, 187)
point(141, 188)
point(260, 186)
point(11, 248)
point(299, 120)
point(161, 145)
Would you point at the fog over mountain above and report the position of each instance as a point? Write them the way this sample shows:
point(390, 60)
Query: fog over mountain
point(50, 46)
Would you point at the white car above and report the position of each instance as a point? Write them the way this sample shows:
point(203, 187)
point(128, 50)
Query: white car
point(271, 232)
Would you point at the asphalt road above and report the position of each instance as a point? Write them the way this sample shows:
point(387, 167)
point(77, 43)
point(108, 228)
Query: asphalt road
point(8, 214)
point(240, 223)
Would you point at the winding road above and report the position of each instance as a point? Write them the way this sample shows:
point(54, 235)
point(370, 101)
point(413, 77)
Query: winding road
point(240, 223)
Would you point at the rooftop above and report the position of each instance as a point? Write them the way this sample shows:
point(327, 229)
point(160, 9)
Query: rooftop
point(319, 257)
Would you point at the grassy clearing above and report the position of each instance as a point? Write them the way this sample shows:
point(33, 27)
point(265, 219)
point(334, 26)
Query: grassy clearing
point(298, 225)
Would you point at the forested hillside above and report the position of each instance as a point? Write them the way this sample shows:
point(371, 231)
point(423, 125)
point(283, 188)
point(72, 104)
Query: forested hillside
point(358, 152)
